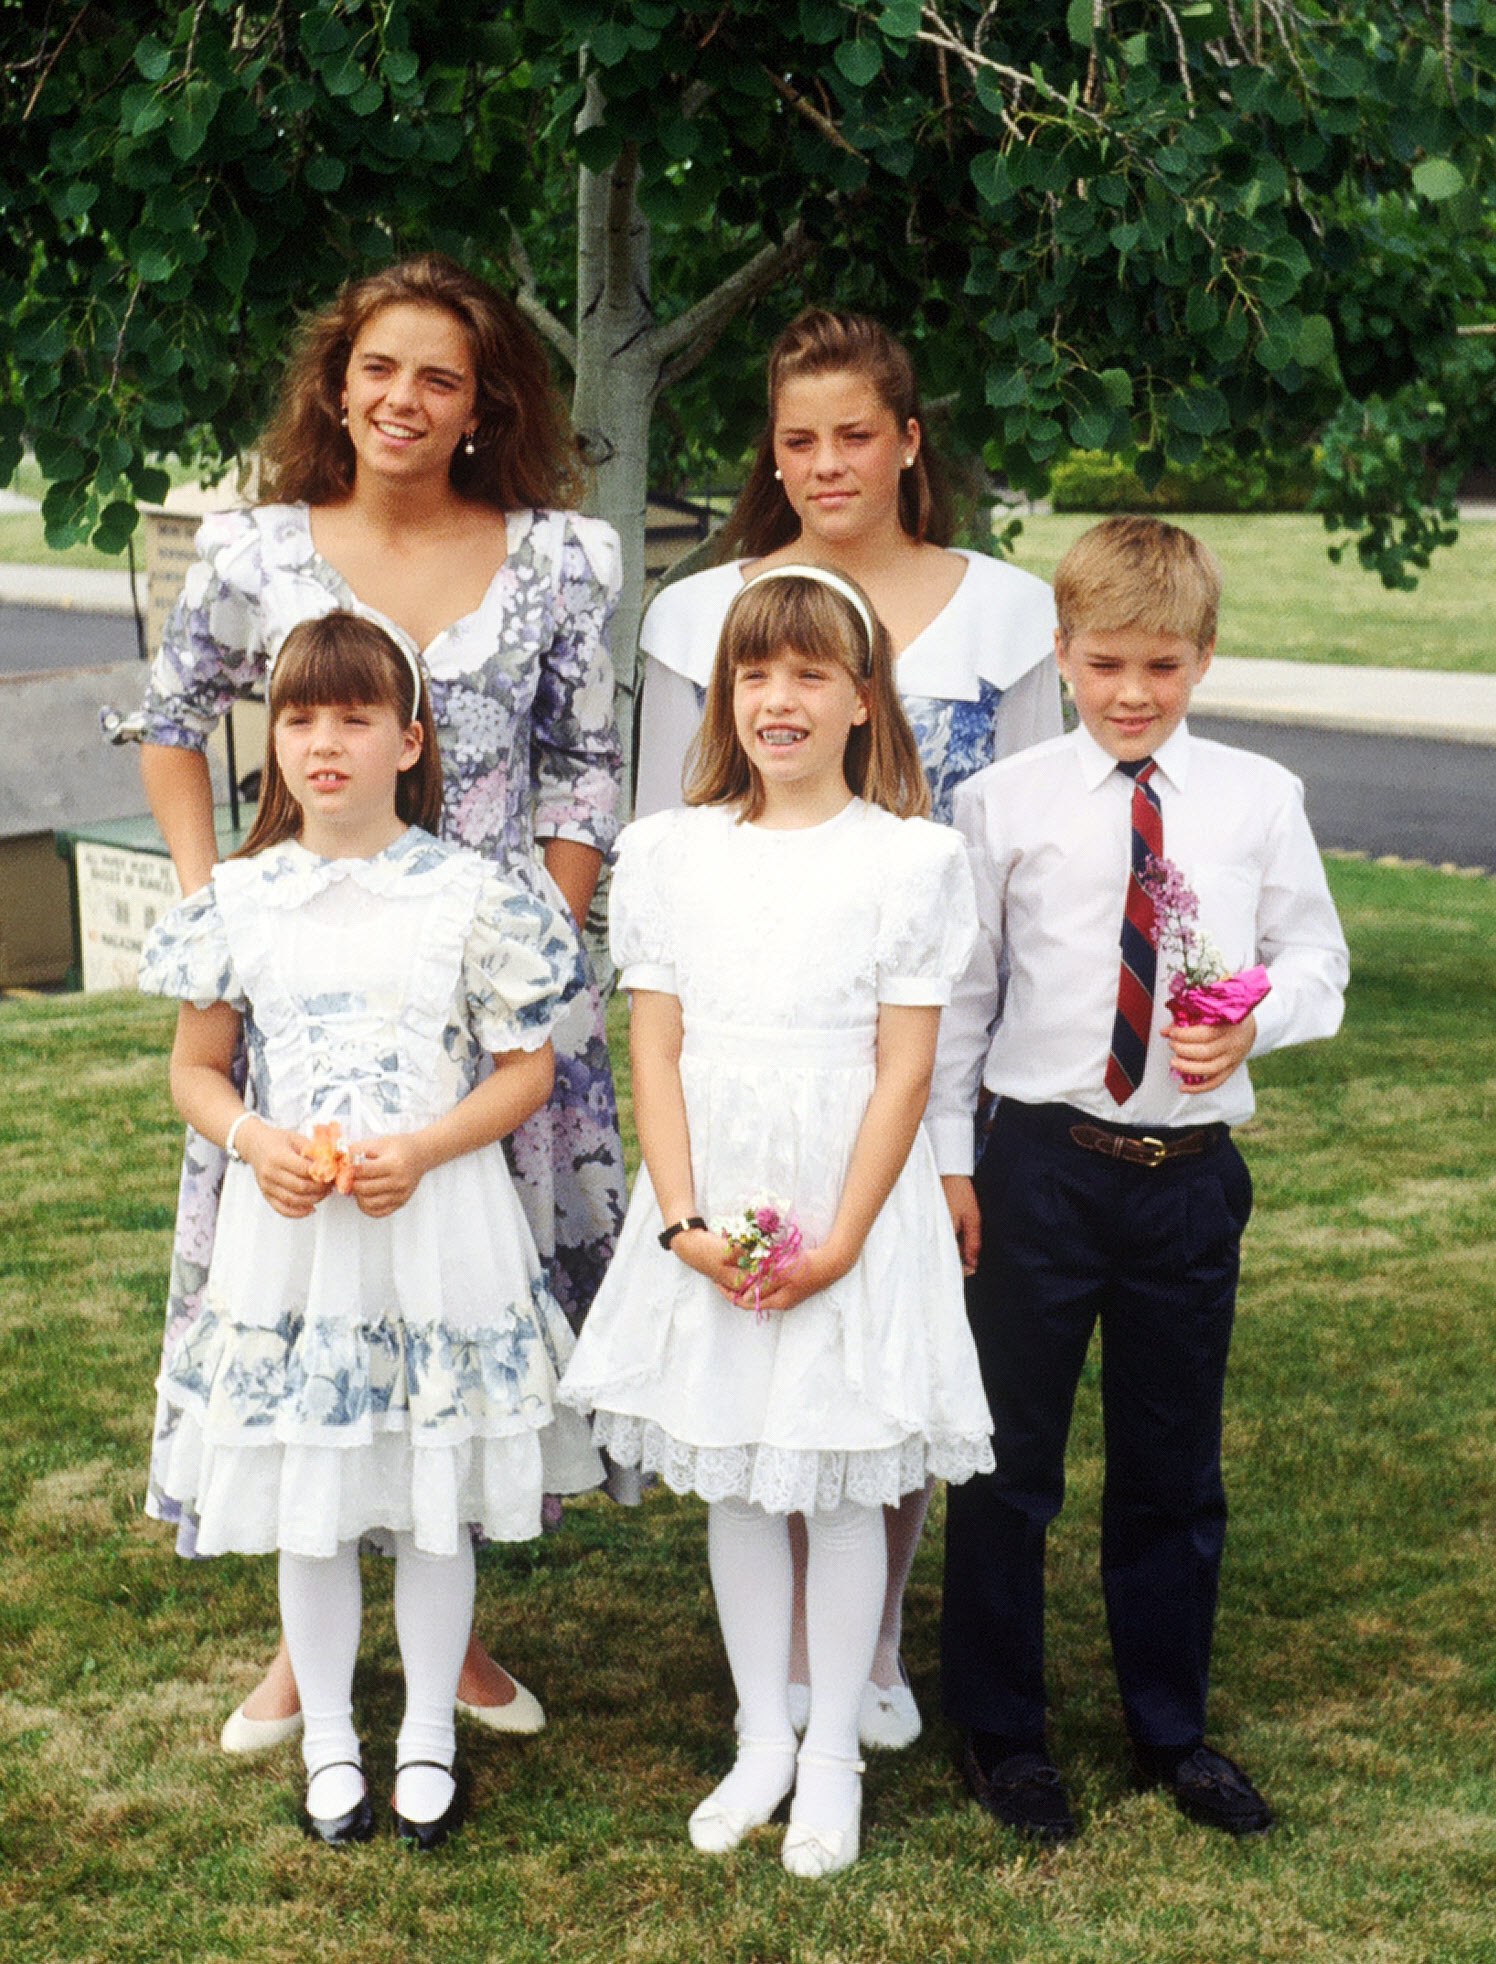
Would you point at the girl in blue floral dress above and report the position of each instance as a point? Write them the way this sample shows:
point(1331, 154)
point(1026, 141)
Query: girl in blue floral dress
point(377, 1347)
point(419, 466)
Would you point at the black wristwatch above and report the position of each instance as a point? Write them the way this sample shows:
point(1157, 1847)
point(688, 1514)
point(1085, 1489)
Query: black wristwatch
point(679, 1227)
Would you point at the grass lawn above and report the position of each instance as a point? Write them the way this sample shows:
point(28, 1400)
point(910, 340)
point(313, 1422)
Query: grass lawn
point(1284, 598)
point(1356, 1662)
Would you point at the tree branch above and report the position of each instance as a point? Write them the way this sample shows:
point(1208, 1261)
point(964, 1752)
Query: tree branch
point(682, 342)
point(534, 308)
point(41, 80)
point(808, 110)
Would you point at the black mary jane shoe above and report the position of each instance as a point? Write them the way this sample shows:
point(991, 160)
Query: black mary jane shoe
point(426, 1835)
point(356, 1825)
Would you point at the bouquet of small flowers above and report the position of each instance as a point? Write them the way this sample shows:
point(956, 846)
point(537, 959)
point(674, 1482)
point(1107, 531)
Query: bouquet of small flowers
point(765, 1240)
point(330, 1160)
point(1202, 988)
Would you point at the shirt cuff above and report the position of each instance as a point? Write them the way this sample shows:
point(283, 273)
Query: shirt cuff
point(953, 1136)
point(1272, 1019)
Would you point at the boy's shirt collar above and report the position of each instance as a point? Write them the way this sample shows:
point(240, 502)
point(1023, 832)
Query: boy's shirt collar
point(1172, 757)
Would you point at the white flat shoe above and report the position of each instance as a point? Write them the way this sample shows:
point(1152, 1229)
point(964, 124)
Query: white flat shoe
point(888, 1719)
point(714, 1827)
point(813, 1853)
point(523, 1713)
point(251, 1735)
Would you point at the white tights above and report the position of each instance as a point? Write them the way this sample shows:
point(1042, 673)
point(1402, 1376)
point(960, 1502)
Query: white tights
point(748, 1551)
point(321, 1605)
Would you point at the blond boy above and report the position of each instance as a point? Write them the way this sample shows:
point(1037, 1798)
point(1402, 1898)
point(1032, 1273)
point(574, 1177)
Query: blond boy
point(1108, 1190)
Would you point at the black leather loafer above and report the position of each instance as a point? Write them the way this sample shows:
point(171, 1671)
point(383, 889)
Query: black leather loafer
point(1023, 1791)
point(1209, 1788)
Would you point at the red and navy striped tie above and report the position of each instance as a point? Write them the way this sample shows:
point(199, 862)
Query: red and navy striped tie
point(1134, 1021)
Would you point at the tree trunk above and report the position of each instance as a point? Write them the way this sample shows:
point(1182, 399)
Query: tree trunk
point(617, 377)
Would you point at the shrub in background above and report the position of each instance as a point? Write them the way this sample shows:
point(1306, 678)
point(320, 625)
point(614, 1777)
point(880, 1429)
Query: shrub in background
point(1093, 480)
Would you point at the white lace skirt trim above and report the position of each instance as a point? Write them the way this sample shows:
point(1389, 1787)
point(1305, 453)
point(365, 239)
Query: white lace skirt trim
point(786, 1481)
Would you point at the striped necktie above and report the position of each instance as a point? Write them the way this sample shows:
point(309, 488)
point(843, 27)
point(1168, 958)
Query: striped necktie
point(1134, 1019)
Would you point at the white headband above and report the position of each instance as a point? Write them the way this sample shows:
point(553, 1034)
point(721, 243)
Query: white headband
point(834, 580)
point(410, 661)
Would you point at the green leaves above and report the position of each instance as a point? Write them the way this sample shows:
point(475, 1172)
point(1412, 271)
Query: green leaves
point(1436, 179)
point(1144, 244)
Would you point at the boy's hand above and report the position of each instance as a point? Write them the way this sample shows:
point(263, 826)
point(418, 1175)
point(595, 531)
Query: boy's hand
point(278, 1160)
point(966, 1218)
point(1205, 1054)
point(387, 1171)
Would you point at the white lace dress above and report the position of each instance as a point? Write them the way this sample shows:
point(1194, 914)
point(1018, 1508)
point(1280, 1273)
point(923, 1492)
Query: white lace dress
point(780, 947)
point(350, 1374)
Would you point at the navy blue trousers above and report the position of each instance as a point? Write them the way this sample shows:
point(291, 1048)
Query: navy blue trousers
point(1072, 1239)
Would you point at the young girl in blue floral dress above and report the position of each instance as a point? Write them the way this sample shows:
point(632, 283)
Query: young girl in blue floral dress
point(788, 941)
point(378, 1349)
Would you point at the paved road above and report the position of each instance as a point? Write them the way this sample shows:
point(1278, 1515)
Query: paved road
point(33, 638)
point(1407, 795)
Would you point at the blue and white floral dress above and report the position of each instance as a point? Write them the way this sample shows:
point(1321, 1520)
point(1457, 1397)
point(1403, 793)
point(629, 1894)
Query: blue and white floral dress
point(522, 692)
point(347, 1373)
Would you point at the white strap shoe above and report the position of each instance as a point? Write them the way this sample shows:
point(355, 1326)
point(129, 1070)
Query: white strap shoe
point(717, 1825)
point(813, 1853)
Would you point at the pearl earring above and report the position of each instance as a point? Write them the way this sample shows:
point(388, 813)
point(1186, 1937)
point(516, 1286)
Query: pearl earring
point(343, 419)
point(779, 477)
point(468, 445)
point(908, 463)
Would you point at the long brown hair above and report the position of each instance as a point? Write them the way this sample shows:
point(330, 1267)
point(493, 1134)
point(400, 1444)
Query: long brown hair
point(523, 449)
point(343, 658)
point(818, 342)
point(881, 762)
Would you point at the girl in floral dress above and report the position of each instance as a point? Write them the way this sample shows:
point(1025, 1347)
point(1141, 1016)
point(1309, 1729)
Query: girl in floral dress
point(420, 466)
point(787, 942)
point(376, 1347)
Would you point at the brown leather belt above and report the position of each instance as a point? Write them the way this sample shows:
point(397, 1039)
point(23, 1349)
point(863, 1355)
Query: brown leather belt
point(1067, 1125)
point(1145, 1150)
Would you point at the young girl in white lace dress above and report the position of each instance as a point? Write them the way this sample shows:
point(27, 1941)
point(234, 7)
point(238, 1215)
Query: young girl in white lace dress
point(378, 1349)
point(788, 940)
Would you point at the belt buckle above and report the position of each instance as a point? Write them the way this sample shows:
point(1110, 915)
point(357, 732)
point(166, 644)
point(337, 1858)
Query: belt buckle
point(1152, 1152)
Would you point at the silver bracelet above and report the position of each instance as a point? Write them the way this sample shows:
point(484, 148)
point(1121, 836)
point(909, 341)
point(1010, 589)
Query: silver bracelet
point(228, 1145)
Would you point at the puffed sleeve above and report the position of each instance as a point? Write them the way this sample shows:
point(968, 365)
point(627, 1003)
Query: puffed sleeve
point(186, 955)
point(521, 965)
point(576, 760)
point(928, 924)
point(639, 918)
point(212, 648)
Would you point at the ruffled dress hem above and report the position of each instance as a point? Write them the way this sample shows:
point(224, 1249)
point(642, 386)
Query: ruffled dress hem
point(786, 1480)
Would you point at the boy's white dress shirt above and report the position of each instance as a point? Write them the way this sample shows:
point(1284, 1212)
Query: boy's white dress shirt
point(1049, 837)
